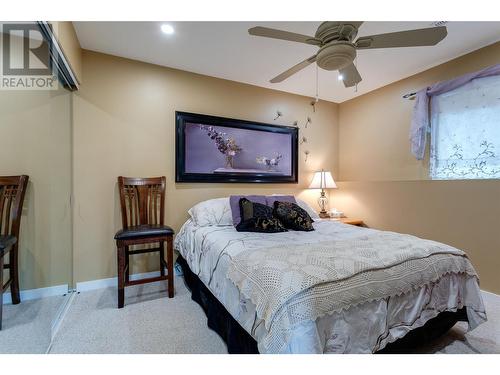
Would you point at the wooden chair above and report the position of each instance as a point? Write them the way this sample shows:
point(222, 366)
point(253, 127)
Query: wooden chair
point(12, 190)
point(142, 202)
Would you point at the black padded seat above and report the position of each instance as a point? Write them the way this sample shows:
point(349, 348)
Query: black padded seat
point(5, 243)
point(143, 231)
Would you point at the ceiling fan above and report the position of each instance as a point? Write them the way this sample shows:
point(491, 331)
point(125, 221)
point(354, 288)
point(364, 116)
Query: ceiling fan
point(337, 48)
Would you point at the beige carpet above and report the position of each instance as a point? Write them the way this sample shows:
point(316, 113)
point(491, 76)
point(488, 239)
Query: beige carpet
point(150, 322)
point(27, 326)
point(153, 323)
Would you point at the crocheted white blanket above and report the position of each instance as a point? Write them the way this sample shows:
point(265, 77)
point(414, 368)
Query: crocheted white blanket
point(291, 284)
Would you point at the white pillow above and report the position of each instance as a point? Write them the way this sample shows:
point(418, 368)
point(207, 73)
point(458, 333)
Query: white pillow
point(311, 211)
point(212, 212)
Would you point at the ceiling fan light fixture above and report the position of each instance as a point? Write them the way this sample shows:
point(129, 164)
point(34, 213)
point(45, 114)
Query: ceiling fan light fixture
point(336, 55)
point(167, 29)
point(438, 23)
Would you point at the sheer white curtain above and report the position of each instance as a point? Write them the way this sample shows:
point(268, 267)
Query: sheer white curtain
point(465, 131)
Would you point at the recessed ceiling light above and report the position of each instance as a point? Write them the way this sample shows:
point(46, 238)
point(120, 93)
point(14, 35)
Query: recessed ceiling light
point(340, 77)
point(167, 29)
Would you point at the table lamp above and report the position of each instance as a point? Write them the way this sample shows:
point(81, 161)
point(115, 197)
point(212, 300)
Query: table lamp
point(323, 180)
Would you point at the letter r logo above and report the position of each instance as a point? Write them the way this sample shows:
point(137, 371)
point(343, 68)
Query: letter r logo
point(24, 50)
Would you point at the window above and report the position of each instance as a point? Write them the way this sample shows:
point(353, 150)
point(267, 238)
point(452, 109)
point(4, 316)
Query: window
point(465, 127)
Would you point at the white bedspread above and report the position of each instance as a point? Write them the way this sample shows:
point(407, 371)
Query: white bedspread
point(363, 328)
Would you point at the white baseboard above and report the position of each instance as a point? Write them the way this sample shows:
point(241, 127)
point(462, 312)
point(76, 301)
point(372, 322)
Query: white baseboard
point(59, 290)
point(30, 294)
point(86, 286)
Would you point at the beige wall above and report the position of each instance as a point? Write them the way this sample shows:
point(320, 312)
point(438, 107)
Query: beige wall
point(464, 214)
point(388, 188)
point(124, 125)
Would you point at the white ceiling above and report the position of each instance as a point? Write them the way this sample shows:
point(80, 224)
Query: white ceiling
point(225, 50)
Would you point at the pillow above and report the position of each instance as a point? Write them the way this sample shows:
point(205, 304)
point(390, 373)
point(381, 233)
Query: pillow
point(312, 213)
point(270, 199)
point(257, 217)
point(234, 202)
point(292, 216)
point(212, 212)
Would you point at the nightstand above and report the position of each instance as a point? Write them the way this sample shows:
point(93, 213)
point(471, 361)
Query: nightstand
point(348, 220)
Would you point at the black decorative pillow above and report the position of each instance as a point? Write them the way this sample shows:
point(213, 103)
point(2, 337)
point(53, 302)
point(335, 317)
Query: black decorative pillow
point(257, 217)
point(293, 216)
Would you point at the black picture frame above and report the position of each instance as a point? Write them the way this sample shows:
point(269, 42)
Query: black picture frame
point(181, 118)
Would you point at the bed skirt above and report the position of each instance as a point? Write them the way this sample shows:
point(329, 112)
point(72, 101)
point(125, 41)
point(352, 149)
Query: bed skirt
point(239, 341)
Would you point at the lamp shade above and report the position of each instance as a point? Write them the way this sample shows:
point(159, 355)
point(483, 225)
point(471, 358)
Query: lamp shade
point(322, 180)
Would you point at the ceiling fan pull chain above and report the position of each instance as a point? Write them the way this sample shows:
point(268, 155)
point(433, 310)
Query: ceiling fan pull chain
point(356, 65)
point(317, 89)
point(316, 99)
point(317, 84)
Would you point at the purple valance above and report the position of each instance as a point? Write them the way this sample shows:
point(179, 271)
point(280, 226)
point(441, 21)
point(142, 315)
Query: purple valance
point(420, 122)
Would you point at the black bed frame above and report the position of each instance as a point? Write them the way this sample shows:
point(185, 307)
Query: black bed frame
point(240, 342)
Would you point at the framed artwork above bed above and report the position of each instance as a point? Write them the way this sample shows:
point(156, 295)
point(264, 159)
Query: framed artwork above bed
point(218, 149)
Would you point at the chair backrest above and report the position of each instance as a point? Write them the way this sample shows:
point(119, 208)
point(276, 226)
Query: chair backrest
point(12, 190)
point(142, 200)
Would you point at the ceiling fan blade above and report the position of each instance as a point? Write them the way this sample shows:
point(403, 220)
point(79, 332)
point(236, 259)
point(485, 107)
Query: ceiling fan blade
point(293, 70)
point(411, 38)
point(350, 75)
point(283, 35)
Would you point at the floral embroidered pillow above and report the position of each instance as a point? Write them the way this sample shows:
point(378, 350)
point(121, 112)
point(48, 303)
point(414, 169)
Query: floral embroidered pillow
point(293, 216)
point(234, 202)
point(257, 217)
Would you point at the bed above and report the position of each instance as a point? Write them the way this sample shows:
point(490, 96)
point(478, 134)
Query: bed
point(337, 289)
